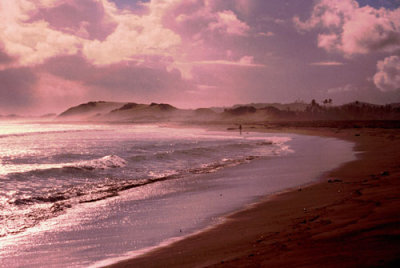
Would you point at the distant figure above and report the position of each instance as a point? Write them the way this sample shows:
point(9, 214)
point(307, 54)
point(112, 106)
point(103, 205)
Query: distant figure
point(240, 129)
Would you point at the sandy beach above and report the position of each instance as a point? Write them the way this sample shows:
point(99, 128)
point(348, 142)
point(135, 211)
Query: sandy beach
point(349, 218)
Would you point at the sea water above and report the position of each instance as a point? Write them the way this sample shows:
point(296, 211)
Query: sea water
point(73, 195)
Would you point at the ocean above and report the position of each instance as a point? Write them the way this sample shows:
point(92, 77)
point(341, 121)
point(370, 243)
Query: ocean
point(78, 195)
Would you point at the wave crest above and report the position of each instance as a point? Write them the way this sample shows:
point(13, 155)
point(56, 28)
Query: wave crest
point(108, 161)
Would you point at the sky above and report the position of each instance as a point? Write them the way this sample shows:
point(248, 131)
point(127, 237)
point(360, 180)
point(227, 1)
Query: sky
point(196, 53)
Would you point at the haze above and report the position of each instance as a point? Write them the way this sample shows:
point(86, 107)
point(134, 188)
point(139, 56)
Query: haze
point(196, 53)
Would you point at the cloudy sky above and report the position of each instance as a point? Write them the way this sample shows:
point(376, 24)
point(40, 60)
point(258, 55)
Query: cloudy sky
point(196, 53)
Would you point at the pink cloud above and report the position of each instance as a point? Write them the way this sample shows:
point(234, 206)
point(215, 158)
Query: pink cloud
point(206, 29)
point(345, 88)
point(31, 42)
point(372, 30)
point(245, 61)
point(266, 34)
point(202, 17)
point(327, 63)
point(350, 29)
point(177, 30)
point(37, 31)
point(327, 14)
point(135, 35)
point(228, 22)
point(83, 18)
point(387, 77)
point(329, 42)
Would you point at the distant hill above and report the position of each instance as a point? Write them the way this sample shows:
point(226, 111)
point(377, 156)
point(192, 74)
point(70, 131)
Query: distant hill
point(143, 112)
point(259, 112)
point(294, 106)
point(90, 109)
point(126, 112)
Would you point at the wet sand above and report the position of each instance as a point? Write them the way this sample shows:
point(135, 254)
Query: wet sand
point(350, 218)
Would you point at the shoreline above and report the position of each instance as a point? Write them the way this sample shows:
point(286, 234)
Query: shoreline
point(292, 227)
point(297, 177)
point(116, 227)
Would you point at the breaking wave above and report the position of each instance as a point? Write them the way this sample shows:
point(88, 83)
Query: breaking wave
point(34, 209)
point(35, 133)
point(45, 176)
point(108, 161)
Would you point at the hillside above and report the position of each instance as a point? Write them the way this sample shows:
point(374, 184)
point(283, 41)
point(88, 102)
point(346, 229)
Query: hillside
point(91, 109)
point(161, 112)
point(124, 112)
point(294, 106)
point(145, 113)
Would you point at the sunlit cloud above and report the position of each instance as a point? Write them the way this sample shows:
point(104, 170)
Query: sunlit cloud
point(134, 35)
point(228, 22)
point(327, 63)
point(31, 43)
point(266, 34)
point(246, 61)
point(345, 88)
point(103, 33)
point(351, 29)
point(387, 77)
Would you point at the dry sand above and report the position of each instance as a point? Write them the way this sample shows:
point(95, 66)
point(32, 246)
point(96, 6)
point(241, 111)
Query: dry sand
point(351, 218)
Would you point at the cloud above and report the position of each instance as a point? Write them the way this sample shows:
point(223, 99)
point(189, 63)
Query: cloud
point(228, 22)
point(342, 89)
point(200, 18)
point(84, 18)
point(387, 77)
point(36, 31)
point(327, 14)
point(266, 34)
point(327, 63)
point(134, 35)
point(31, 42)
point(350, 29)
point(245, 61)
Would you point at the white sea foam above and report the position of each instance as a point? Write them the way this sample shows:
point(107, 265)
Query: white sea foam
point(47, 170)
point(147, 183)
point(108, 161)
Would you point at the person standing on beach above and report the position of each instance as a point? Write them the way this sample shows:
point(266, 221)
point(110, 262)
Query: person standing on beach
point(240, 129)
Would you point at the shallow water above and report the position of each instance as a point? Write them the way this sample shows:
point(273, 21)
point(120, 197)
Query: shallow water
point(76, 195)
